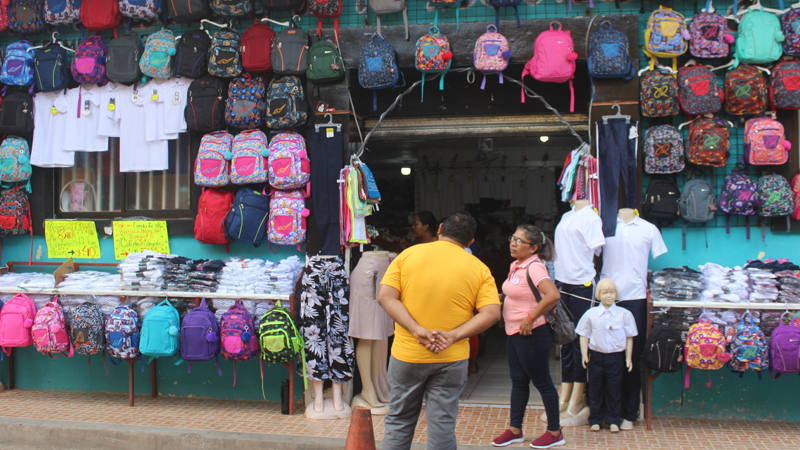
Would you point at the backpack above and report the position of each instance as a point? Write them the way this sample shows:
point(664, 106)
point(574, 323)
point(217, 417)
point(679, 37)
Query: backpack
point(436, 4)
point(764, 142)
point(89, 62)
point(784, 88)
point(257, 47)
point(26, 16)
point(784, 345)
point(279, 340)
point(245, 105)
point(660, 202)
point(184, 11)
point(211, 165)
point(326, 8)
point(15, 161)
point(205, 104)
point(663, 150)
point(433, 55)
point(160, 331)
point(286, 105)
point(738, 196)
point(749, 349)
point(158, 49)
point(290, 52)
point(231, 9)
point(497, 4)
point(665, 36)
point(609, 54)
point(324, 64)
point(16, 320)
point(18, 66)
point(377, 67)
point(86, 329)
point(759, 38)
point(658, 94)
point(796, 190)
point(491, 53)
point(99, 15)
point(247, 221)
point(288, 164)
point(49, 330)
point(708, 143)
point(283, 5)
point(745, 91)
point(238, 335)
point(122, 333)
point(287, 218)
point(124, 53)
point(146, 10)
point(790, 25)
point(51, 69)
point(699, 91)
point(704, 348)
point(4, 15)
point(249, 151)
point(212, 208)
point(710, 36)
point(225, 61)
point(663, 350)
point(697, 204)
point(62, 12)
point(200, 336)
point(389, 7)
point(191, 54)
point(553, 60)
point(16, 113)
point(15, 214)
point(774, 196)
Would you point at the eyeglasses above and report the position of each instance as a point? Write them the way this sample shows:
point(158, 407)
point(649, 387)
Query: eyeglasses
point(512, 239)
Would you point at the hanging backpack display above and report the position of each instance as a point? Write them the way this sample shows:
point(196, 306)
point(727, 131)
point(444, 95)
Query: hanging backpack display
point(738, 197)
point(765, 143)
point(16, 320)
point(248, 164)
point(4, 4)
point(15, 162)
point(553, 60)
point(200, 336)
point(699, 91)
point(658, 94)
point(660, 202)
point(710, 36)
point(62, 12)
point(18, 67)
point(697, 204)
point(279, 340)
point(49, 331)
point(609, 54)
point(382, 7)
point(663, 150)
point(491, 54)
point(247, 221)
point(324, 64)
point(666, 36)
point(326, 8)
point(86, 329)
point(437, 4)
point(191, 54)
point(205, 104)
point(433, 55)
point(245, 105)
point(784, 346)
point(122, 333)
point(286, 104)
point(704, 348)
point(211, 165)
point(158, 49)
point(745, 91)
point(784, 89)
point(290, 51)
point(796, 190)
point(257, 43)
point(749, 349)
point(377, 68)
point(16, 113)
point(145, 10)
point(288, 163)
point(26, 16)
point(160, 331)
point(225, 61)
point(212, 208)
point(497, 4)
point(663, 350)
point(238, 339)
point(790, 25)
point(89, 62)
point(708, 142)
point(184, 11)
point(15, 214)
point(774, 196)
point(99, 15)
point(122, 65)
point(283, 5)
point(287, 218)
point(759, 38)
point(232, 9)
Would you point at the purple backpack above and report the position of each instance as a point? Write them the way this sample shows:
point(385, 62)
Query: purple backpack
point(238, 335)
point(89, 63)
point(738, 198)
point(698, 90)
point(710, 36)
point(784, 344)
point(790, 26)
point(200, 336)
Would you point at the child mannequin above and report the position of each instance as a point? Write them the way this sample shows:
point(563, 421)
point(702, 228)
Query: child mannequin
point(606, 332)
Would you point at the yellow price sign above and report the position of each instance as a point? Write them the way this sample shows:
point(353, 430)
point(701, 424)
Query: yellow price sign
point(71, 239)
point(132, 236)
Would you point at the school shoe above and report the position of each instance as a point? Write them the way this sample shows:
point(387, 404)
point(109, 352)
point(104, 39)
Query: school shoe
point(547, 440)
point(507, 438)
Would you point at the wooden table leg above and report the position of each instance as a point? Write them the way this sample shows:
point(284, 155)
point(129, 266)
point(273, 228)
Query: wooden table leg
point(291, 388)
point(153, 377)
point(649, 398)
point(131, 362)
point(11, 384)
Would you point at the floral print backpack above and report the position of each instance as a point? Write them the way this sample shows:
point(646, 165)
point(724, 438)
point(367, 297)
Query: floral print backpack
point(491, 53)
point(704, 348)
point(790, 26)
point(710, 36)
point(663, 149)
point(287, 218)
point(658, 94)
point(211, 166)
point(433, 56)
point(749, 349)
point(246, 102)
point(247, 164)
point(288, 164)
point(765, 143)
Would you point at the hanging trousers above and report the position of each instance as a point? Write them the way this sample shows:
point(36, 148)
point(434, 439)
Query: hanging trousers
point(325, 154)
point(616, 154)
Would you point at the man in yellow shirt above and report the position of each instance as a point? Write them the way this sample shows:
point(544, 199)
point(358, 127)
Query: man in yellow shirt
point(431, 291)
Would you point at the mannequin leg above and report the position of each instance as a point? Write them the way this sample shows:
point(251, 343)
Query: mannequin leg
point(319, 406)
point(576, 402)
point(377, 364)
point(364, 359)
point(338, 405)
point(566, 394)
point(382, 361)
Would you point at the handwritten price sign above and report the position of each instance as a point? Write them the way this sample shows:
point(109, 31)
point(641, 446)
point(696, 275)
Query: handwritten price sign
point(71, 239)
point(131, 236)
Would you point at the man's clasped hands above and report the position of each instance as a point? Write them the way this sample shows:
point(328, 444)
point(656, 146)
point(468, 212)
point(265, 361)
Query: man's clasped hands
point(436, 340)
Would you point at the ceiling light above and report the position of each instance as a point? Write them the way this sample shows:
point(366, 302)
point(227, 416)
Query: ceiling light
point(544, 138)
point(405, 170)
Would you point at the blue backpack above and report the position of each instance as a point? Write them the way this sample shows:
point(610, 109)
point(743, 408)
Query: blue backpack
point(377, 68)
point(160, 332)
point(609, 54)
point(51, 68)
point(26, 16)
point(200, 336)
point(18, 65)
point(497, 4)
point(62, 12)
point(122, 334)
point(247, 220)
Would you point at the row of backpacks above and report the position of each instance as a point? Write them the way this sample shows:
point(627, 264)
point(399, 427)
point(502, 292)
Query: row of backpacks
point(196, 338)
point(706, 348)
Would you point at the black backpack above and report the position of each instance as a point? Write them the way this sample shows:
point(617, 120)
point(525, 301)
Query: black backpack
point(247, 220)
point(663, 350)
point(191, 54)
point(290, 52)
point(122, 64)
point(52, 68)
point(16, 113)
point(283, 5)
point(205, 104)
point(660, 202)
point(187, 10)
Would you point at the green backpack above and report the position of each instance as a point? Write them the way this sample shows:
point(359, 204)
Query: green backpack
point(324, 64)
point(759, 39)
point(279, 340)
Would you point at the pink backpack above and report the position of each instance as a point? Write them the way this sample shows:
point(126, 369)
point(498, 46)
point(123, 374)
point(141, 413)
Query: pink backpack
point(491, 53)
point(287, 218)
point(16, 320)
point(288, 164)
point(211, 167)
point(49, 331)
point(765, 142)
point(247, 163)
point(553, 60)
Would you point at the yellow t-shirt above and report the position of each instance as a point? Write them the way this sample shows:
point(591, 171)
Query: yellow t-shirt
point(441, 285)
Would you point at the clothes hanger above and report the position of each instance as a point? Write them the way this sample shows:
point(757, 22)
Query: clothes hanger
point(283, 24)
point(706, 116)
point(53, 41)
point(757, 7)
point(617, 115)
point(660, 67)
point(212, 23)
point(330, 123)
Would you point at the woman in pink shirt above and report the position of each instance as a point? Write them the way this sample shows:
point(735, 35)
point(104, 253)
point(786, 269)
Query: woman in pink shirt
point(529, 339)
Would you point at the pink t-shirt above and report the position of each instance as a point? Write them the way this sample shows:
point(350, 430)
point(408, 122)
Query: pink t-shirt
point(519, 299)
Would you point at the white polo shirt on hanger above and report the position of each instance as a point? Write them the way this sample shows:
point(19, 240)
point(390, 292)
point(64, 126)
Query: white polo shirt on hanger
point(83, 109)
point(625, 257)
point(48, 132)
point(607, 329)
point(579, 236)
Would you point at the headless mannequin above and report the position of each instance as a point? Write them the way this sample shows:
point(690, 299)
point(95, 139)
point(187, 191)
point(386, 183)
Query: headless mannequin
point(627, 215)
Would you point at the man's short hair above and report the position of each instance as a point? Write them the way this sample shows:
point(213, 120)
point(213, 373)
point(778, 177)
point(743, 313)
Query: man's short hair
point(459, 226)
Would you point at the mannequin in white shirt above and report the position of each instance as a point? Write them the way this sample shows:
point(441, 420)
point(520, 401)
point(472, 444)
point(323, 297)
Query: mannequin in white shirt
point(627, 215)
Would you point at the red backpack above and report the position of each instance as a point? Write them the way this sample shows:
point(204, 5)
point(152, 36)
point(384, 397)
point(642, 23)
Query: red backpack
point(100, 15)
point(4, 14)
point(257, 47)
point(213, 207)
point(326, 8)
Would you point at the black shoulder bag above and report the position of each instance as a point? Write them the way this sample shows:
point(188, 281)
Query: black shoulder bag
point(559, 318)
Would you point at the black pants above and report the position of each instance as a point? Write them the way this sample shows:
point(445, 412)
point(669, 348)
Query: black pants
point(325, 154)
point(605, 387)
point(616, 155)
point(632, 381)
point(529, 360)
point(572, 370)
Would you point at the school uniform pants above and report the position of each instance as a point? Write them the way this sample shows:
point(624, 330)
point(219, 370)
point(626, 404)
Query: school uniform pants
point(325, 154)
point(572, 370)
point(632, 381)
point(616, 155)
point(605, 387)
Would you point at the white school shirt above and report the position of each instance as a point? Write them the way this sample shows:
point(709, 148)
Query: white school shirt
point(107, 124)
point(518, 194)
point(469, 184)
point(607, 329)
point(579, 236)
point(625, 256)
point(164, 102)
point(136, 154)
point(48, 132)
point(81, 132)
point(540, 184)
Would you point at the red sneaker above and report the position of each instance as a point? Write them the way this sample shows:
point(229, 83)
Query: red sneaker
point(547, 440)
point(507, 438)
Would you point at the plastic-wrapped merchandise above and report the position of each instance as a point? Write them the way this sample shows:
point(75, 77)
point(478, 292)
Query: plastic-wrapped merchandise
point(723, 284)
point(143, 271)
point(281, 278)
point(89, 280)
point(789, 287)
point(677, 284)
point(31, 281)
point(763, 286)
point(239, 276)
